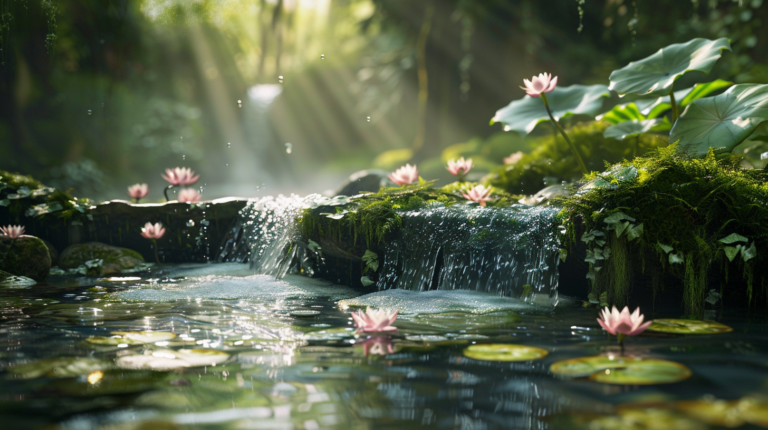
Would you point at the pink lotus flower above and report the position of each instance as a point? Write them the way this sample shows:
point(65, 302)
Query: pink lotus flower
point(12, 231)
point(459, 167)
point(623, 323)
point(405, 175)
point(180, 176)
point(138, 191)
point(540, 84)
point(479, 194)
point(151, 231)
point(514, 158)
point(373, 321)
point(189, 195)
point(377, 346)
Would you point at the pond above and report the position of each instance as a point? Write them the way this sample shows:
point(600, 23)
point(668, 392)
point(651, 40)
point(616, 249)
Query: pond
point(213, 346)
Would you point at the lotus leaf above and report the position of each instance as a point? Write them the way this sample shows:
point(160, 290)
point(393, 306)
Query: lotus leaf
point(679, 326)
point(503, 352)
point(523, 115)
point(658, 72)
point(721, 122)
point(610, 369)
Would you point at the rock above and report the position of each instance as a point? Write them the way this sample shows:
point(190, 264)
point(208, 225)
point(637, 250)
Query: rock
point(364, 180)
point(114, 259)
point(52, 252)
point(546, 194)
point(25, 256)
point(4, 275)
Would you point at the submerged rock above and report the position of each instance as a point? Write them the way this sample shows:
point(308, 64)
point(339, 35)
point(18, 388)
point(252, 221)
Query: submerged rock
point(115, 259)
point(25, 256)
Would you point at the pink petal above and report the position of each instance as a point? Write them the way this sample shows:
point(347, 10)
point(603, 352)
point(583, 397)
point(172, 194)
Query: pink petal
point(639, 329)
point(606, 327)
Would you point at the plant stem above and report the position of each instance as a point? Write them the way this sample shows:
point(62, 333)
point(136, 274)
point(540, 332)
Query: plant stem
point(165, 192)
point(675, 112)
point(565, 136)
point(621, 342)
point(154, 243)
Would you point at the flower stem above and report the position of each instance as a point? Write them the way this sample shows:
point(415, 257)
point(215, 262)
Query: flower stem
point(621, 337)
point(154, 243)
point(565, 136)
point(165, 192)
point(675, 111)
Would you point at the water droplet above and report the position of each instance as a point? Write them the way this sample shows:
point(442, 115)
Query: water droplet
point(229, 145)
point(190, 223)
point(239, 103)
point(280, 79)
point(183, 157)
point(369, 119)
point(89, 112)
point(288, 148)
point(322, 56)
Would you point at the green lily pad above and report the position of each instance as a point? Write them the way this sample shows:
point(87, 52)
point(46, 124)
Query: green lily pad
point(721, 122)
point(131, 338)
point(169, 359)
point(678, 326)
point(523, 115)
point(713, 412)
point(116, 381)
point(658, 72)
point(608, 369)
point(633, 128)
point(202, 357)
point(59, 367)
point(503, 352)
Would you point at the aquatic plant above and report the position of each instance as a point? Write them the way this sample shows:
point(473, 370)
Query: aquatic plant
point(189, 195)
point(460, 167)
point(539, 85)
point(178, 176)
point(138, 191)
point(374, 320)
point(12, 231)
point(478, 194)
point(405, 175)
point(623, 323)
point(378, 346)
point(153, 232)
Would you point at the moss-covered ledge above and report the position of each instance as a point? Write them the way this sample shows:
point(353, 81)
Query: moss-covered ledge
point(671, 230)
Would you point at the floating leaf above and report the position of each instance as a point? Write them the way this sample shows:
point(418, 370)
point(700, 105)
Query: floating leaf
point(635, 127)
point(59, 367)
point(502, 352)
point(609, 369)
point(713, 412)
point(733, 237)
point(131, 338)
point(721, 122)
point(168, 360)
point(658, 72)
point(523, 115)
point(679, 326)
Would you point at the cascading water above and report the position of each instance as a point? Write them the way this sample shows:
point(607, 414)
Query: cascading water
point(510, 251)
point(498, 250)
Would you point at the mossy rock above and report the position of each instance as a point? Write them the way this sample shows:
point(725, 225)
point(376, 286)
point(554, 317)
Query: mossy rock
point(115, 259)
point(25, 256)
point(52, 252)
point(16, 180)
point(4, 275)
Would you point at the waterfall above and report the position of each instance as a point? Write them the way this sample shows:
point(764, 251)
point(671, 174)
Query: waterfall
point(497, 250)
point(510, 251)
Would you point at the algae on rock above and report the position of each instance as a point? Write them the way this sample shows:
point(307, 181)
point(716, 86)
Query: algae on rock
point(669, 214)
point(114, 259)
point(25, 256)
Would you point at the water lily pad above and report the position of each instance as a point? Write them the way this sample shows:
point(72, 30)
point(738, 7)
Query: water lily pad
point(679, 326)
point(633, 128)
point(658, 72)
point(131, 338)
point(59, 367)
point(721, 122)
point(503, 352)
point(713, 412)
point(112, 382)
point(202, 357)
point(169, 359)
point(609, 369)
point(523, 115)
point(304, 313)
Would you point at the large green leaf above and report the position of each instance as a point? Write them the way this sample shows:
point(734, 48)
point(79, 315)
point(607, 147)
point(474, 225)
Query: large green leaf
point(656, 74)
point(721, 122)
point(523, 115)
point(633, 128)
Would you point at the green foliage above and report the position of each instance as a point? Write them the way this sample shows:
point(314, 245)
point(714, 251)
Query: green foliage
point(23, 195)
point(523, 115)
point(552, 161)
point(691, 210)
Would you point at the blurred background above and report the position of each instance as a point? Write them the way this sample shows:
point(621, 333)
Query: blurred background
point(292, 96)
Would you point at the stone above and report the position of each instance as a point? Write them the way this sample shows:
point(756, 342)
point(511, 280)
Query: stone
point(52, 252)
point(546, 194)
point(115, 259)
point(25, 256)
point(364, 180)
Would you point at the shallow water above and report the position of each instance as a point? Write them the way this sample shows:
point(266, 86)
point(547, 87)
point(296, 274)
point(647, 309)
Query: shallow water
point(282, 354)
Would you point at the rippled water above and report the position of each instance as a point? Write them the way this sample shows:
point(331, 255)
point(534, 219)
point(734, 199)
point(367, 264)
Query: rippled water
point(281, 354)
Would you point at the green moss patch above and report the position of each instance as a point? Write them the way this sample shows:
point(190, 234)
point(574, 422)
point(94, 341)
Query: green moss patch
point(25, 256)
point(667, 214)
point(552, 161)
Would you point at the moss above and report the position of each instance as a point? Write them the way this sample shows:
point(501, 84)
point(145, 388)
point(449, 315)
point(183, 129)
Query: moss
point(552, 161)
point(25, 256)
point(668, 214)
point(17, 180)
point(76, 255)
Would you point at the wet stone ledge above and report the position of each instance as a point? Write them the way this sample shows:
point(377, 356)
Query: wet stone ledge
point(194, 232)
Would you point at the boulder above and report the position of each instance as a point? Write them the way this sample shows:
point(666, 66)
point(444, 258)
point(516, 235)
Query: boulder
point(52, 252)
point(364, 180)
point(115, 259)
point(25, 256)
